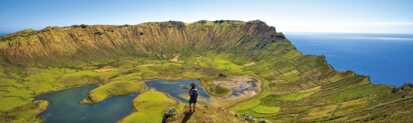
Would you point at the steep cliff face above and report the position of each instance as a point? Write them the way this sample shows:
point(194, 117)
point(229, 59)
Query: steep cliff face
point(162, 39)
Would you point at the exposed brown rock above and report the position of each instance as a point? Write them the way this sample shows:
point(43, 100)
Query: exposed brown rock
point(162, 39)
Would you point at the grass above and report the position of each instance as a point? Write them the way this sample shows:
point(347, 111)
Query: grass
point(219, 62)
point(274, 100)
point(300, 94)
point(320, 112)
point(359, 91)
point(52, 79)
point(293, 75)
point(221, 91)
point(27, 113)
point(266, 109)
point(150, 106)
point(256, 108)
point(45, 80)
point(21, 89)
point(114, 89)
point(266, 104)
point(246, 105)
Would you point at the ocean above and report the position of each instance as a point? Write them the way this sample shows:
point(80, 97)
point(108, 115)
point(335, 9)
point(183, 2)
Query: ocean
point(386, 58)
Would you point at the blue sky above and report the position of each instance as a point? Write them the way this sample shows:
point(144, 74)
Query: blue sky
point(371, 16)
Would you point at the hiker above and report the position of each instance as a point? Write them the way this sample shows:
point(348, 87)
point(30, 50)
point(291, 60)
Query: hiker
point(193, 96)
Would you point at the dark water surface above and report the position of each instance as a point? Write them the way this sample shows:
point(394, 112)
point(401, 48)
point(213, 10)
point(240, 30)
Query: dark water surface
point(64, 107)
point(386, 58)
point(178, 89)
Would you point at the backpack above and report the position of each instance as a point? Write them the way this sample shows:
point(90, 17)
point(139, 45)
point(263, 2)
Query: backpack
point(193, 93)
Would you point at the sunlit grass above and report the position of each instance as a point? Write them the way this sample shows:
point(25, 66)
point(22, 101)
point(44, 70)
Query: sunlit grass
point(246, 105)
point(150, 106)
point(299, 95)
point(115, 89)
point(266, 109)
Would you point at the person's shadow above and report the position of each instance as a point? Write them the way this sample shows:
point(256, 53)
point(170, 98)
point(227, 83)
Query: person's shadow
point(187, 116)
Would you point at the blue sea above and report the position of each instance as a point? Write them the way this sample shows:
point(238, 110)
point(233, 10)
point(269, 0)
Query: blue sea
point(386, 58)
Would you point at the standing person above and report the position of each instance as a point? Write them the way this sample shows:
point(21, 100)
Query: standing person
point(193, 96)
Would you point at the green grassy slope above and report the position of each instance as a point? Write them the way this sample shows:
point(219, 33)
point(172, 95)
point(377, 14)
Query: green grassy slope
point(295, 87)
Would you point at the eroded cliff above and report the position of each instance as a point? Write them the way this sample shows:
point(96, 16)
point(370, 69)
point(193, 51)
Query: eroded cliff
point(163, 39)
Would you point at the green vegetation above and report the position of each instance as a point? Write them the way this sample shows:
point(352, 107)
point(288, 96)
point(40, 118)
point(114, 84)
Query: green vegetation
point(299, 95)
point(220, 91)
point(150, 106)
point(359, 92)
point(217, 61)
point(294, 87)
point(246, 105)
point(266, 109)
point(20, 88)
point(113, 89)
point(27, 113)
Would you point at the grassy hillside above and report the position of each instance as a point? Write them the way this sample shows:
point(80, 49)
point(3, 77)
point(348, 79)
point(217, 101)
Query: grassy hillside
point(294, 87)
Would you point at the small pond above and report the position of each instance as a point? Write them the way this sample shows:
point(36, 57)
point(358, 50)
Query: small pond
point(178, 89)
point(64, 107)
